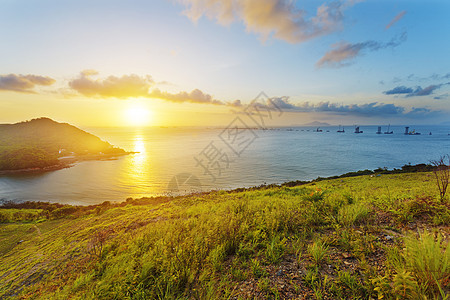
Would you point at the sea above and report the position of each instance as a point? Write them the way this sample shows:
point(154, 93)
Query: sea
point(172, 161)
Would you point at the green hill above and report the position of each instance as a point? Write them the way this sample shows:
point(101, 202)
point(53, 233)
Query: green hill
point(40, 142)
point(362, 237)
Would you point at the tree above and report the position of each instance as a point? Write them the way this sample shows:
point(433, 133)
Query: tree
point(442, 174)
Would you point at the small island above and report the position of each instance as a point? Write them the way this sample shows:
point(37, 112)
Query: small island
point(43, 144)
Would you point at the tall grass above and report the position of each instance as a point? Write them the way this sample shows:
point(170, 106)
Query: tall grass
point(352, 214)
point(428, 259)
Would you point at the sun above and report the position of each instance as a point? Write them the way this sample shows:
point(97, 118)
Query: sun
point(138, 116)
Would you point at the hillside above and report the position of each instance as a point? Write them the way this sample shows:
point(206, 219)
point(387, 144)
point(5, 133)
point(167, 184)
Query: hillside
point(379, 236)
point(40, 142)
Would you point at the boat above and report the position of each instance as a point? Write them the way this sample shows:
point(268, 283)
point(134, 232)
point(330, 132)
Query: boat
point(357, 130)
point(407, 132)
point(343, 129)
point(318, 129)
point(379, 130)
point(389, 132)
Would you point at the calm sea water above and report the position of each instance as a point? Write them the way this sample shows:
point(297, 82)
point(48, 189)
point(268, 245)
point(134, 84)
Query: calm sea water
point(221, 159)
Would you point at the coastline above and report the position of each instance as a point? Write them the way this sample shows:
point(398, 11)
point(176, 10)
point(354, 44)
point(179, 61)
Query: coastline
point(66, 162)
point(418, 168)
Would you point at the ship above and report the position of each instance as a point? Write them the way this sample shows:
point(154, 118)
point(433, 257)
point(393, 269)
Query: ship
point(389, 132)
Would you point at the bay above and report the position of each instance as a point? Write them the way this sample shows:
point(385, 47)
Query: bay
point(223, 159)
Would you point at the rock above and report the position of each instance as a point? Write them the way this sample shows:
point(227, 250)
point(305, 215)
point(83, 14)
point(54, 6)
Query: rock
point(412, 226)
point(389, 237)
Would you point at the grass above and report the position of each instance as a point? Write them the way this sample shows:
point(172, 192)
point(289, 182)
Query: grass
point(343, 238)
point(317, 251)
point(428, 260)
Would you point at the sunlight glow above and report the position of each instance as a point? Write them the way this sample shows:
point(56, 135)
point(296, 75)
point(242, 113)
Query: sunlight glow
point(138, 116)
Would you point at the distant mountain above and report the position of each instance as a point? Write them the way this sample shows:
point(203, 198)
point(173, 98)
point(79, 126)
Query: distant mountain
point(317, 123)
point(40, 142)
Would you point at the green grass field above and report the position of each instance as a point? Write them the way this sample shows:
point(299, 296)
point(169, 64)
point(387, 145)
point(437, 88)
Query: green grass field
point(366, 237)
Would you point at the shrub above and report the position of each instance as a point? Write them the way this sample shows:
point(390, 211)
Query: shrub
point(441, 172)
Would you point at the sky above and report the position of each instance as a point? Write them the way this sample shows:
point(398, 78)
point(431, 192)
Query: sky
point(202, 62)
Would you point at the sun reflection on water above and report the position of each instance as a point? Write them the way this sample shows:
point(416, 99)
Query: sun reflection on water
point(138, 163)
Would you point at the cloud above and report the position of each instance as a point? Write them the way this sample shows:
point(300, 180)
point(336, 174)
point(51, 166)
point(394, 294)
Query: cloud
point(343, 53)
point(126, 86)
point(278, 18)
point(441, 97)
point(23, 83)
point(418, 91)
point(414, 77)
point(373, 109)
point(425, 91)
point(196, 96)
point(399, 90)
point(396, 19)
point(133, 86)
point(367, 109)
point(437, 76)
point(423, 112)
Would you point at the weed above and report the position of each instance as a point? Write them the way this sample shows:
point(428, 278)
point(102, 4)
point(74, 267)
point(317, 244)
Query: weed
point(350, 215)
point(428, 259)
point(257, 270)
point(275, 249)
point(217, 256)
point(317, 251)
point(350, 283)
point(96, 244)
point(311, 277)
point(382, 286)
point(264, 285)
point(405, 285)
point(315, 196)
